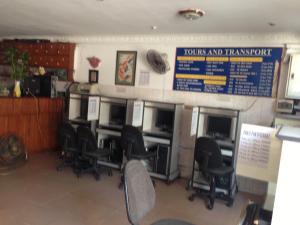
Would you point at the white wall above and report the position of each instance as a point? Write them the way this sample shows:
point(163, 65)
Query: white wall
point(254, 110)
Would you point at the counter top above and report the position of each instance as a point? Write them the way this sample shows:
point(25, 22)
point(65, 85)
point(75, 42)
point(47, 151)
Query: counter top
point(289, 133)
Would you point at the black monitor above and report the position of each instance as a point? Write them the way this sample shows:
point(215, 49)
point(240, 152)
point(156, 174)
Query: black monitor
point(117, 114)
point(164, 120)
point(219, 127)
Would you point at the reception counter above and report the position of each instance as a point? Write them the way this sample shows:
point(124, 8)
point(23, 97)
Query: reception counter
point(34, 120)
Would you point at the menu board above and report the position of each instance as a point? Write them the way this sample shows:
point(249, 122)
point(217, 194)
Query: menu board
point(238, 71)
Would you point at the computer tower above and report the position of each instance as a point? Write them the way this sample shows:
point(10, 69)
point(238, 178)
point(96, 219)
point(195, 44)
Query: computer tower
point(31, 86)
point(162, 160)
point(48, 86)
point(84, 105)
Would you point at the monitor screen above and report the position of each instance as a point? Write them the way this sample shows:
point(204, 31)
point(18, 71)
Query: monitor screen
point(219, 127)
point(117, 114)
point(164, 120)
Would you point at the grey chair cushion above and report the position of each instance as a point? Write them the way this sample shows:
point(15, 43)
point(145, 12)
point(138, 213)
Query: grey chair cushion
point(139, 191)
point(171, 222)
point(140, 194)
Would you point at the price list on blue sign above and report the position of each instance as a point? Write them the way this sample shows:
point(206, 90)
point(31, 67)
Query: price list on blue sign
point(240, 71)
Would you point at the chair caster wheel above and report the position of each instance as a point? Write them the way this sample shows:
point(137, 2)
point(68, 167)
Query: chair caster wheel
point(209, 206)
point(78, 174)
point(97, 177)
point(188, 186)
point(229, 203)
point(192, 198)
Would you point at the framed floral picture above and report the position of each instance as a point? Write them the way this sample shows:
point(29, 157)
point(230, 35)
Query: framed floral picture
point(125, 68)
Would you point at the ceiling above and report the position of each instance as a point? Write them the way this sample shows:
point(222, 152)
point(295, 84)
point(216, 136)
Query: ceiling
point(111, 17)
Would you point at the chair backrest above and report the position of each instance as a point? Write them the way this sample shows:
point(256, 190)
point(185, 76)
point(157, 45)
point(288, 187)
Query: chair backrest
point(131, 137)
point(66, 135)
point(86, 139)
point(139, 191)
point(208, 146)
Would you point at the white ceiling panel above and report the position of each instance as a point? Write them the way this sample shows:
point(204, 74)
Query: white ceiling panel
point(96, 17)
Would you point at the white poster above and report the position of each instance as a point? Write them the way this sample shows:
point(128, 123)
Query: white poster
point(194, 121)
point(259, 153)
point(255, 145)
point(138, 110)
point(93, 108)
point(144, 78)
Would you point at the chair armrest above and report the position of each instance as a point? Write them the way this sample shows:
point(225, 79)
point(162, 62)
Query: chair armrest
point(153, 148)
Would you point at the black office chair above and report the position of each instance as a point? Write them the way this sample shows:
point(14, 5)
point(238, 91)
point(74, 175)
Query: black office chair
point(132, 143)
point(90, 153)
point(67, 143)
point(211, 165)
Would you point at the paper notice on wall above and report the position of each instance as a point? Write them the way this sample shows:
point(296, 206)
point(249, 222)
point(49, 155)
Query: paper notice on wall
point(144, 78)
point(194, 121)
point(255, 143)
point(259, 153)
point(93, 108)
point(138, 110)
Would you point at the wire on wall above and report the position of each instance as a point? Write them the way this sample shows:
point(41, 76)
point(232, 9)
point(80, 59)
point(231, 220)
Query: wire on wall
point(250, 106)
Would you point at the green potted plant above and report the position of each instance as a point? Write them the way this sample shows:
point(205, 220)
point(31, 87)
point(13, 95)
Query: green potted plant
point(19, 67)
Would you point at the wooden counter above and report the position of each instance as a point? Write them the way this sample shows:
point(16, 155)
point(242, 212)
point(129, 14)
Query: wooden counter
point(34, 120)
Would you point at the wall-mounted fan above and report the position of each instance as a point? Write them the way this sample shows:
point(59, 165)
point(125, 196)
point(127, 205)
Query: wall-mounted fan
point(158, 61)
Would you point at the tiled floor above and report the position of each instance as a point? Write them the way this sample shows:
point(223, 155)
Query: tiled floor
point(37, 194)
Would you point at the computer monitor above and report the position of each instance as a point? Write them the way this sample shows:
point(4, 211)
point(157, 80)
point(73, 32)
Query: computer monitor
point(117, 114)
point(219, 127)
point(164, 120)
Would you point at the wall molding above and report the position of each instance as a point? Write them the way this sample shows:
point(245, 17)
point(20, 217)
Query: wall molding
point(215, 39)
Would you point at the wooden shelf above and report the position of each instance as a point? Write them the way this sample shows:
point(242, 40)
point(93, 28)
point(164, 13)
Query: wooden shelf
point(49, 55)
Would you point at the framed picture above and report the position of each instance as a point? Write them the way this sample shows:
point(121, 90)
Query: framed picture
point(125, 68)
point(93, 76)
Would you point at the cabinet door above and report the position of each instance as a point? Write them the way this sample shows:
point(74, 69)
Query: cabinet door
point(61, 62)
point(293, 82)
point(39, 49)
point(63, 49)
point(51, 49)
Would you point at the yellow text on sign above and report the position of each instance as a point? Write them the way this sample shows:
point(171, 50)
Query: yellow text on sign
point(246, 59)
point(215, 82)
point(200, 77)
point(190, 58)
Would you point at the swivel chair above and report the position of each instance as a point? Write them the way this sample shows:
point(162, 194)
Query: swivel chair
point(132, 143)
point(90, 153)
point(140, 195)
point(67, 144)
point(210, 161)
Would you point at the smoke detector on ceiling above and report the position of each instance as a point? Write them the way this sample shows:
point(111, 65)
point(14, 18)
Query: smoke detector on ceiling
point(191, 14)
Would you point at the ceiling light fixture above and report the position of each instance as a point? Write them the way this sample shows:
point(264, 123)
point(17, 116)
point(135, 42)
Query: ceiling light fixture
point(191, 14)
point(153, 27)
